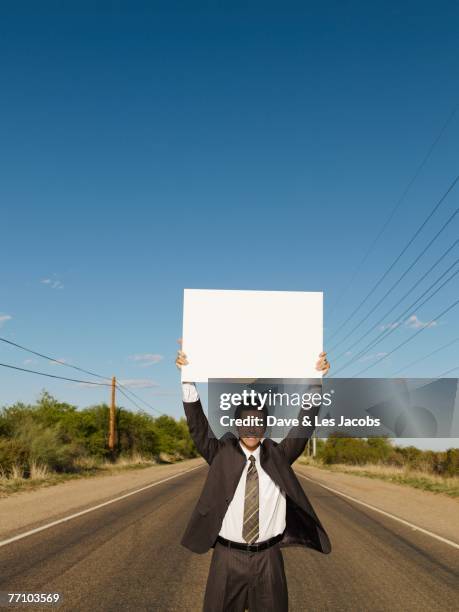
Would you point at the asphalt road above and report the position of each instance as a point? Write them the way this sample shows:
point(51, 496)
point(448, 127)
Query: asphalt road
point(127, 556)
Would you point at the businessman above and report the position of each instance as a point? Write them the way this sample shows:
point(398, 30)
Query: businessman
point(251, 505)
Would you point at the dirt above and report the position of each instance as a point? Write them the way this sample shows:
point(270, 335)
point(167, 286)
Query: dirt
point(431, 511)
point(26, 510)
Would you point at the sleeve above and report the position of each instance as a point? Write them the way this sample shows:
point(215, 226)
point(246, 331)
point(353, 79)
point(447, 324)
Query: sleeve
point(294, 443)
point(201, 433)
point(189, 392)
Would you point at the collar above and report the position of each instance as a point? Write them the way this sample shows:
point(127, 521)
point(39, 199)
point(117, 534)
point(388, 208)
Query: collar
point(255, 453)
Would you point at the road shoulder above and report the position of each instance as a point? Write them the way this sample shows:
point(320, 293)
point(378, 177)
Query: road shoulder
point(30, 509)
point(436, 513)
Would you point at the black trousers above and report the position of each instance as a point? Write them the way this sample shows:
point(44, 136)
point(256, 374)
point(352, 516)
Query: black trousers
point(241, 580)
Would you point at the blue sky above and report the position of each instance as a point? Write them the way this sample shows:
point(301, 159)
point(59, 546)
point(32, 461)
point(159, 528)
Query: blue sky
point(148, 147)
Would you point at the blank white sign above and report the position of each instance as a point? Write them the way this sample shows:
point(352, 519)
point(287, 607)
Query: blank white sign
point(251, 334)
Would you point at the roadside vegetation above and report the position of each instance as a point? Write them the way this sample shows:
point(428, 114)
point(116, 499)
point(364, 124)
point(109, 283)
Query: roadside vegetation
point(51, 441)
point(47, 442)
point(380, 458)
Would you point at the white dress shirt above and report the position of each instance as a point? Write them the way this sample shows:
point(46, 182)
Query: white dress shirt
point(189, 392)
point(272, 502)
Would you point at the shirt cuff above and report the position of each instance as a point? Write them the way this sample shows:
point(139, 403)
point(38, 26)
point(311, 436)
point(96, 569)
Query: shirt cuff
point(189, 392)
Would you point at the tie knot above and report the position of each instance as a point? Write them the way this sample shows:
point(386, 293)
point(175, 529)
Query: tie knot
point(252, 459)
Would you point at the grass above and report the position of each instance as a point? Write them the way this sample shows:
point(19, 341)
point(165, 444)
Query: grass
point(41, 476)
point(405, 476)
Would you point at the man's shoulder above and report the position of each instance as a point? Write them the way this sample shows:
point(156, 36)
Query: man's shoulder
point(268, 443)
point(229, 443)
point(229, 439)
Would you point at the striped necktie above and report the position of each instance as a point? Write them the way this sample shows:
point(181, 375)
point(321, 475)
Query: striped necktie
point(250, 529)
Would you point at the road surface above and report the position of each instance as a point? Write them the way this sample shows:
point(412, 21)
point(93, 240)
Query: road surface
point(127, 556)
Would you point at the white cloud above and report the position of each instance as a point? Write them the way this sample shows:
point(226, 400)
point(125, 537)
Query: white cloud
point(416, 323)
point(28, 361)
point(413, 322)
point(4, 318)
point(144, 360)
point(138, 383)
point(54, 283)
point(389, 325)
point(373, 356)
point(88, 386)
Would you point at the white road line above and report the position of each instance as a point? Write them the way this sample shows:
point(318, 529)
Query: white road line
point(107, 503)
point(392, 516)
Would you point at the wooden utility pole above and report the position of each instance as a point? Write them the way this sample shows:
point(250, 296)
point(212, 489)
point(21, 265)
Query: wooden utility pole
point(111, 424)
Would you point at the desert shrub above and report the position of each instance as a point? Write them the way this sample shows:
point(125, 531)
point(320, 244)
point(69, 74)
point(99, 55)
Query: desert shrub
point(360, 451)
point(451, 463)
point(62, 438)
point(356, 451)
point(12, 454)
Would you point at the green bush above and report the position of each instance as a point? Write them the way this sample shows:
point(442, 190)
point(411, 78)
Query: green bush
point(356, 451)
point(451, 462)
point(46, 445)
point(12, 453)
point(359, 451)
point(55, 434)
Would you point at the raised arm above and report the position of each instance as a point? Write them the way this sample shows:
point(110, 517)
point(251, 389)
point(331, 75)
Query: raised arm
point(200, 430)
point(294, 443)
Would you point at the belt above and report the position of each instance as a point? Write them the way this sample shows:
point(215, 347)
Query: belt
point(256, 547)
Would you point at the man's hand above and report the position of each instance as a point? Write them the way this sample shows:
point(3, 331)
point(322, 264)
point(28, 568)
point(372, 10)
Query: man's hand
point(323, 364)
point(181, 359)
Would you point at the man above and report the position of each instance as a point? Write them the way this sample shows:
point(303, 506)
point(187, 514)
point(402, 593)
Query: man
point(251, 505)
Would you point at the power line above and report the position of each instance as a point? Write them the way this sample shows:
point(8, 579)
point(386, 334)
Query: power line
point(396, 207)
point(416, 361)
point(77, 380)
point(120, 389)
point(128, 398)
point(401, 300)
point(69, 365)
point(398, 281)
point(443, 374)
point(386, 314)
point(450, 307)
point(140, 399)
point(402, 252)
point(88, 382)
point(385, 333)
point(90, 372)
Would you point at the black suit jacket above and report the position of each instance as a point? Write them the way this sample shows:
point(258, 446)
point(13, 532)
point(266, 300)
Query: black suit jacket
point(227, 461)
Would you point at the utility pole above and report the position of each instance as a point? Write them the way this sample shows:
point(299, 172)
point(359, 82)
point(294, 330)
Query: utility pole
point(111, 423)
point(314, 444)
